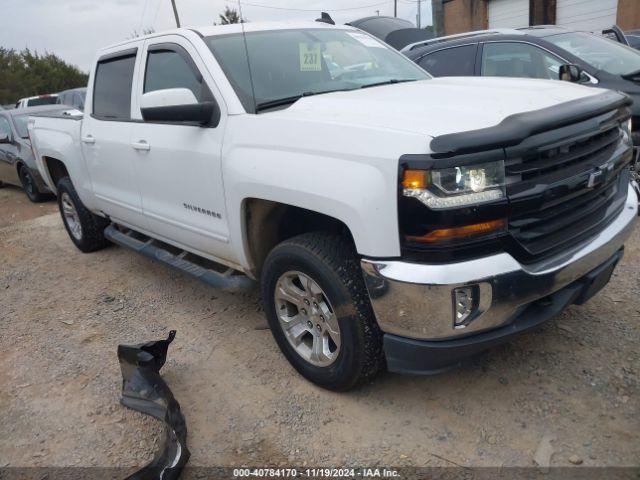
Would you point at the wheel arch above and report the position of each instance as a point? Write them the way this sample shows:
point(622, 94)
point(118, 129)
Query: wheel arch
point(266, 223)
point(55, 169)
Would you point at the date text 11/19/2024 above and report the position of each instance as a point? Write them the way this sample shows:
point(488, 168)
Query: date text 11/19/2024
point(316, 472)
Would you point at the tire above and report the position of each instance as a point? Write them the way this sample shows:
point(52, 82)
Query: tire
point(89, 237)
point(331, 262)
point(30, 187)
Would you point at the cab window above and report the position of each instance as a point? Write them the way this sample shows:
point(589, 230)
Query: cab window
point(451, 62)
point(171, 67)
point(511, 59)
point(112, 88)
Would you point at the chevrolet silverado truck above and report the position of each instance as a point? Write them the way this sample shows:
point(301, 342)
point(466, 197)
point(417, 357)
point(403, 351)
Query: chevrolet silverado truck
point(392, 220)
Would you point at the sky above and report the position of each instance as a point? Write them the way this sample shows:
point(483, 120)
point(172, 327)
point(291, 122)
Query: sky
point(75, 29)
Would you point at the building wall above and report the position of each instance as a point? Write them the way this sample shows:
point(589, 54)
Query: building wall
point(457, 16)
point(628, 14)
point(464, 15)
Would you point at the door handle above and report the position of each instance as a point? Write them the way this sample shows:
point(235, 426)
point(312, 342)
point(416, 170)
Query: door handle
point(141, 145)
point(88, 139)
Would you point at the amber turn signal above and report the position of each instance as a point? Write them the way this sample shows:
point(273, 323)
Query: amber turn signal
point(457, 233)
point(414, 179)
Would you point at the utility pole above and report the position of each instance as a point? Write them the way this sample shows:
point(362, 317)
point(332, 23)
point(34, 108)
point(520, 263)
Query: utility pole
point(419, 15)
point(378, 12)
point(395, 8)
point(175, 13)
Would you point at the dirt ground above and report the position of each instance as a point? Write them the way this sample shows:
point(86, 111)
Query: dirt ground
point(569, 391)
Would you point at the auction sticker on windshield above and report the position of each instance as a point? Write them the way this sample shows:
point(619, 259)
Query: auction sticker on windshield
point(310, 57)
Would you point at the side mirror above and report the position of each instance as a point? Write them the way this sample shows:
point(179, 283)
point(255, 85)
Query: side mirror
point(178, 105)
point(4, 138)
point(570, 73)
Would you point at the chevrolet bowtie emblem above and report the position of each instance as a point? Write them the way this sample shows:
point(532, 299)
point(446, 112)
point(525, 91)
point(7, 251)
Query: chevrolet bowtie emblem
point(599, 175)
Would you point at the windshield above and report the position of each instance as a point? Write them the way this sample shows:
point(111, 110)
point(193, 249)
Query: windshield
point(20, 122)
point(286, 64)
point(602, 53)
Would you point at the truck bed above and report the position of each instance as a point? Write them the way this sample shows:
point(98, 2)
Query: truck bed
point(56, 135)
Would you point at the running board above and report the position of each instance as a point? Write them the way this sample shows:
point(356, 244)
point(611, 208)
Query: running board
point(212, 273)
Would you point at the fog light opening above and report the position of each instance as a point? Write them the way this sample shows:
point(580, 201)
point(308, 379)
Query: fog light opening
point(465, 305)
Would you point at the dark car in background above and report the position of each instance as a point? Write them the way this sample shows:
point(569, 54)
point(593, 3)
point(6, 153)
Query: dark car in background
point(633, 37)
point(394, 31)
point(73, 98)
point(535, 52)
point(17, 165)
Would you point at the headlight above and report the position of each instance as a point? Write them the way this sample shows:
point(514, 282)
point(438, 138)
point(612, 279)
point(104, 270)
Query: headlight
point(456, 186)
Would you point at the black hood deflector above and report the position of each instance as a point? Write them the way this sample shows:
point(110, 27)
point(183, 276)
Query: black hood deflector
point(516, 128)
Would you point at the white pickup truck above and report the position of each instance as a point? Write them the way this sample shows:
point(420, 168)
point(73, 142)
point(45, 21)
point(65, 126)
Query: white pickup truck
point(392, 220)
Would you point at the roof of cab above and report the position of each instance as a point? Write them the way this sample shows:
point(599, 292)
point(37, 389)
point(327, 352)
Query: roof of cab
point(207, 31)
point(210, 30)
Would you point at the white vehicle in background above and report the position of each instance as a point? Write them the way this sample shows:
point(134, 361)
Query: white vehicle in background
point(391, 219)
point(38, 100)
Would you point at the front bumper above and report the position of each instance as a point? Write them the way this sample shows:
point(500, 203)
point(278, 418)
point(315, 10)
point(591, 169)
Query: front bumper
point(415, 301)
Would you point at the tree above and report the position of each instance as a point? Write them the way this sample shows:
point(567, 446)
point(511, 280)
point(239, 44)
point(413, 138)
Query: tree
point(26, 74)
point(229, 16)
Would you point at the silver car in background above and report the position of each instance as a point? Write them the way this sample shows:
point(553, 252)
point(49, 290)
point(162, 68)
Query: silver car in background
point(17, 166)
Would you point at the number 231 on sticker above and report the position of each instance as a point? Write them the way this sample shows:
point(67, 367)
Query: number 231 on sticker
point(310, 57)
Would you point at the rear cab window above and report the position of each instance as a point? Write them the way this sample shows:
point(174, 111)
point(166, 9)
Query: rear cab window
point(112, 86)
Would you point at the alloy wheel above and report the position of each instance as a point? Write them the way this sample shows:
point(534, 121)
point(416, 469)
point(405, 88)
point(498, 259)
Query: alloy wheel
point(71, 217)
point(307, 318)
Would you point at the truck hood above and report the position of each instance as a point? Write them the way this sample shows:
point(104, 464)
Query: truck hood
point(437, 106)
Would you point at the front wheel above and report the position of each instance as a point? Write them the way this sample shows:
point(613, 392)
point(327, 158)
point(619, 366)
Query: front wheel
point(85, 229)
point(319, 312)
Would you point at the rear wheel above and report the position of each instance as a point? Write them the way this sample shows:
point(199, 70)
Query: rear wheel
point(319, 312)
point(30, 187)
point(85, 229)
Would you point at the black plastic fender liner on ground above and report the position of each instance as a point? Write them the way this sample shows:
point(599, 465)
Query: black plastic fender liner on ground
point(144, 390)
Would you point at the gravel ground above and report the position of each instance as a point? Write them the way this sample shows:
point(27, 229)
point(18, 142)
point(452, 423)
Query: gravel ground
point(565, 394)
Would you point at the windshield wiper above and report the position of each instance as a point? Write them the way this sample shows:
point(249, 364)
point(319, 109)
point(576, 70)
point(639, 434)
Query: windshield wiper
point(279, 102)
point(389, 82)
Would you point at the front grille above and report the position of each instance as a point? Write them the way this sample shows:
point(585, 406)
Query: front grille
point(581, 154)
point(565, 186)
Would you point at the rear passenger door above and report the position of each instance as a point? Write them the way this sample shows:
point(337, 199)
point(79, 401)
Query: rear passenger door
point(180, 164)
point(451, 62)
point(105, 137)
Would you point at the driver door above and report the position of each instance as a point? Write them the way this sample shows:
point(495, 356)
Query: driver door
point(179, 164)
